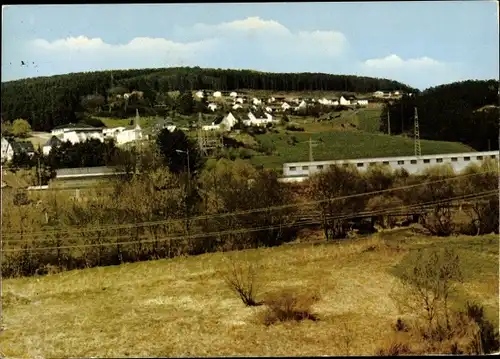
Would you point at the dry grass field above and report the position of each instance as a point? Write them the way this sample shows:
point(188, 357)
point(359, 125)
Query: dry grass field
point(183, 307)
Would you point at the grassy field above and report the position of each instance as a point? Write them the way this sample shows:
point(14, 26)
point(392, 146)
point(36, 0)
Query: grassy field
point(344, 145)
point(182, 307)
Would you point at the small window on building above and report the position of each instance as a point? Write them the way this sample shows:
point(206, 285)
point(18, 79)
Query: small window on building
point(454, 159)
point(413, 162)
point(320, 167)
point(427, 160)
point(385, 162)
point(439, 160)
point(466, 158)
point(293, 168)
point(479, 158)
point(305, 168)
point(360, 164)
point(401, 162)
point(493, 156)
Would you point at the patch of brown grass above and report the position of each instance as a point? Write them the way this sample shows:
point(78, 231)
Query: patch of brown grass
point(288, 305)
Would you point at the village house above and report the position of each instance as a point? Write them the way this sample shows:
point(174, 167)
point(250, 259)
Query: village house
point(233, 94)
point(239, 100)
point(343, 101)
point(378, 94)
point(127, 136)
point(7, 150)
point(53, 142)
point(226, 123)
point(217, 94)
point(237, 106)
point(76, 133)
point(256, 101)
point(285, 106)
point(254, 121)
point(301, 105)
point(199, 94)
point(212, 107)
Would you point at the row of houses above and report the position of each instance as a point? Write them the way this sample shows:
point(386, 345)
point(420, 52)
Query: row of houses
point(229, 121)
point(295, 104)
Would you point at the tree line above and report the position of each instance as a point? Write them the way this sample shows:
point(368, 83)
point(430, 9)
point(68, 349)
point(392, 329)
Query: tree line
point(211, 206)
point(465, 112)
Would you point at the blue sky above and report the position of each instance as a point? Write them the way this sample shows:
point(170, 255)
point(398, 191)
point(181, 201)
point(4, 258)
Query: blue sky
point(419, 43)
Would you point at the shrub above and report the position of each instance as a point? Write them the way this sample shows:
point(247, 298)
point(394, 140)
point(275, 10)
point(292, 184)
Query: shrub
point(401, 326)
point(490, 341)
point(289, 306)
point(241, 279)
point(294, 127)
point(394, 348)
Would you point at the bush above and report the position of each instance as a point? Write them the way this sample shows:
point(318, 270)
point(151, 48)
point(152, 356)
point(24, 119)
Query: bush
point(289, 306)
point(294, 127)
point(490, 341)
point(241, 279)
point(394, 348)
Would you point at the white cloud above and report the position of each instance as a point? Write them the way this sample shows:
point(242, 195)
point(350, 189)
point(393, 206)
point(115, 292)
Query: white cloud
point(418, 72)
point(244, 43)
point(83, 43)
point(396, 62)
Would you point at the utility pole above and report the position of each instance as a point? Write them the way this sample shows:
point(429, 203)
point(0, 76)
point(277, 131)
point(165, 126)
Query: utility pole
point(402, 119)
point(39, 174)
point(311, 144)
point(389, 122)
point(138, 155)
point(418, 150)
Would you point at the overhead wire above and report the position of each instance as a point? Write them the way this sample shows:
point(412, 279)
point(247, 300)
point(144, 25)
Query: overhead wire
point(243, 212)
point(246, 230)
point(204, 217)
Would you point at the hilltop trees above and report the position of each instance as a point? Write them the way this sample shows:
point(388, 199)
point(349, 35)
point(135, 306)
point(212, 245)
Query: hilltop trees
point(465, 112)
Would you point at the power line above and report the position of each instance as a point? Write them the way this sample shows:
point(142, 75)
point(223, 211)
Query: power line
point(422, 206)
point(218, 233)
point(403, 207)
point(257, 210)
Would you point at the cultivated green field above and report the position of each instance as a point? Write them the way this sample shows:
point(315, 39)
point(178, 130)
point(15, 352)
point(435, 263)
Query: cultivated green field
point(344, 145)
point(182, 307)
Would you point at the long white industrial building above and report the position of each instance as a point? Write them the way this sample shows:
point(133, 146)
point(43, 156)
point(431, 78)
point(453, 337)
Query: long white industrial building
point(298, 171)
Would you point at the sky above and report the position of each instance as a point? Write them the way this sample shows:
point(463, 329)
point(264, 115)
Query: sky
point(421, 44)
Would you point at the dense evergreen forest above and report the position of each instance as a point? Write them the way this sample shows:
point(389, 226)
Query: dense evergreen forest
point(464, 112)
point(47, 102)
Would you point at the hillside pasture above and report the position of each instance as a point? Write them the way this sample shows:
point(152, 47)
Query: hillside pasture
point(182, 306)
point(344, 145)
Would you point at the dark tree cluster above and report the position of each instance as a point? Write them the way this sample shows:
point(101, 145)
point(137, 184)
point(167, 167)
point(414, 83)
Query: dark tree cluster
point(91, 153)
point(465, 112)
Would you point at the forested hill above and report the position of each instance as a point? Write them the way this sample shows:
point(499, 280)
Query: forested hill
point(50, 101)
point(464, 111)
